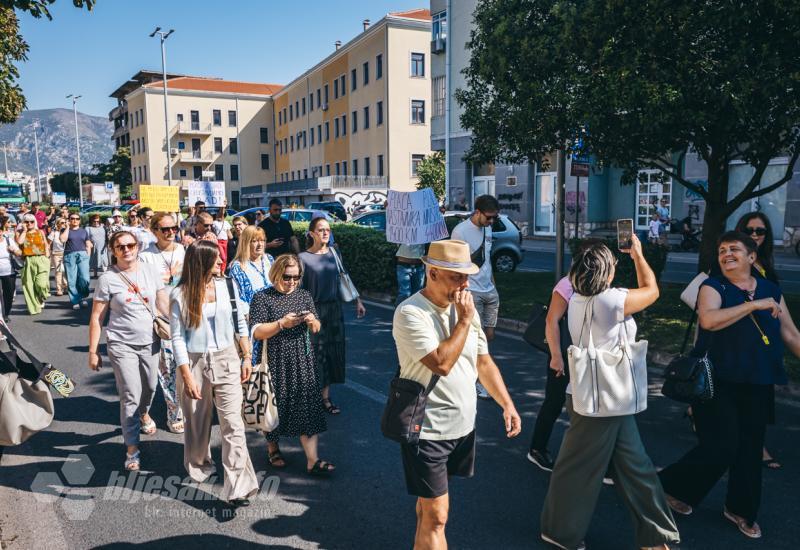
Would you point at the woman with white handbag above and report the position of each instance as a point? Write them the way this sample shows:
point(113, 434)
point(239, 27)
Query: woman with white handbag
point(282, 320)
point(325, 277)
point(607, 387)
point(211, 372)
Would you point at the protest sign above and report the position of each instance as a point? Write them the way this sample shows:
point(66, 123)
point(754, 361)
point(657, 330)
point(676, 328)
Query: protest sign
point(210, 192)
point(414, 218)
point(160, 198)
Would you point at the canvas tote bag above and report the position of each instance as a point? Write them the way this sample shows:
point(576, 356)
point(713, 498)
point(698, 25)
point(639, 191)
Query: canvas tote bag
point(260, 406)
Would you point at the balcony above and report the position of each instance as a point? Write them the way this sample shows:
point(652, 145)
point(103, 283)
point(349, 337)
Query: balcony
point(191, 129)
point(326, 184)
point(196, 157)
point(118, 112)
point(118, 132)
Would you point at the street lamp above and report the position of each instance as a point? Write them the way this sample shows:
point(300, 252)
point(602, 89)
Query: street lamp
point(75, 99)
point(164, 35)
point(36, 148)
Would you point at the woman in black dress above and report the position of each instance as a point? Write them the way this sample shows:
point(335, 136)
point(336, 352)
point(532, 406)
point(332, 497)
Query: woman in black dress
point(284, 316)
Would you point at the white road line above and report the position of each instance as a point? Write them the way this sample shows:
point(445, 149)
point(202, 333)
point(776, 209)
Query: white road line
point(369, 393)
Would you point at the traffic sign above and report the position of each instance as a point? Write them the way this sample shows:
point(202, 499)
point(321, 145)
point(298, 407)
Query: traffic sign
point(110, 186)
point(579, 169)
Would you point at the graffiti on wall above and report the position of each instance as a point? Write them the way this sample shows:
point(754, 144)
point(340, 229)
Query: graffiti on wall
point(510, 201)
point(570, 204)
point(353, 200)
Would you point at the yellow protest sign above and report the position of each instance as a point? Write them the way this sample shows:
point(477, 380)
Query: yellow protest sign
point(160, 198)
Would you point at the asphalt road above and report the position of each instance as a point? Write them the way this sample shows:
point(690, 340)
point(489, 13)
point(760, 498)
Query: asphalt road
point(59, 490)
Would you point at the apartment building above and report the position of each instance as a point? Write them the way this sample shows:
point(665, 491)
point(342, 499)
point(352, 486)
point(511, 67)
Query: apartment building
point(119, 115)
point(357, 123)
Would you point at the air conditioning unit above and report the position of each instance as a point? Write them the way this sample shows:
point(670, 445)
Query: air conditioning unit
point(324, 106)
point(438, 45)
point(173, 151)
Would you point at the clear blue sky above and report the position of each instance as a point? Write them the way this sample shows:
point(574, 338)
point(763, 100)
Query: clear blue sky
point(92, 53)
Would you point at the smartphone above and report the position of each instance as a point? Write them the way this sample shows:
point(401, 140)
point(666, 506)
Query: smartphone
point(625, 234)
point(303, 313)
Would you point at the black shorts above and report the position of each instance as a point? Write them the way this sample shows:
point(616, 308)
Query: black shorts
point(428, 464)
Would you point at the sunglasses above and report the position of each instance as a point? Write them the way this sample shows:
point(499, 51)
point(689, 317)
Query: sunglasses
point(125, 246)
point(170, 229)
point(760, 231)
point(287, 278)
point(133, 215)
point(29, 221)
point(73, 218)
point(488, 217)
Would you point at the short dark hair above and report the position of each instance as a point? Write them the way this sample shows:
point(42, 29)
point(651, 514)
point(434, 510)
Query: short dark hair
point(487, 203)
point(274, 202)
point(35, 203)
point(145, 210)
point(199, 203)
point(738, 236)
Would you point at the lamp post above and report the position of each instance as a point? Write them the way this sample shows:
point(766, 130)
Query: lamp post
point(38, 171)
point(75, 99)
point(164, 35)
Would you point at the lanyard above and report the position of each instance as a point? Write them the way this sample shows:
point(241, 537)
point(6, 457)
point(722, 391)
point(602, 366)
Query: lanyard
point(262, 271)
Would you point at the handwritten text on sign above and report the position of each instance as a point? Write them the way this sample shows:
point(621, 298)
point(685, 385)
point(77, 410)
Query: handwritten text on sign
point(210, 192)
point(254, 406)
point(414, 218)
point(160, 198)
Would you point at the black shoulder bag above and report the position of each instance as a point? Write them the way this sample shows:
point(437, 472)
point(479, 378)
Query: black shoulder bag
point(405, 407)
point(535, 333)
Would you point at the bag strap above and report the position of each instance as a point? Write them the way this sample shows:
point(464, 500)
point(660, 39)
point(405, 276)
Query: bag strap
point(40, 367)
point(234, 304)
point(691, 322)
point(586, 313)
point(139, 294)
point(339, 263)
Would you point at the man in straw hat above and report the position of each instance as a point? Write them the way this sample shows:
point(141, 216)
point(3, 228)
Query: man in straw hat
point(437, 331)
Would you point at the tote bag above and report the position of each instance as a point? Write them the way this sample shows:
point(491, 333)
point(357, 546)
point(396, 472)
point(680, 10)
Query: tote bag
point(260, 406)
point(611, 382)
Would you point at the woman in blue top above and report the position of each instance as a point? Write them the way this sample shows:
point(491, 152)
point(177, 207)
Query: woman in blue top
point(749, 325)
point(250, 269)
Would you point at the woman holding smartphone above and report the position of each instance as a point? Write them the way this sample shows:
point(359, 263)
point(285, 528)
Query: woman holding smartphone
point(284, 316)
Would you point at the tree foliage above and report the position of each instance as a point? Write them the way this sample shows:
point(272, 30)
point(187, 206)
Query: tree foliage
point(14, 50)
point(650, 81)
point(118, 170)
point(431, 174)
point(67, 183)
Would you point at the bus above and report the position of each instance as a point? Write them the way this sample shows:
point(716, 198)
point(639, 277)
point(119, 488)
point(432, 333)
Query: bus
point(11, 193)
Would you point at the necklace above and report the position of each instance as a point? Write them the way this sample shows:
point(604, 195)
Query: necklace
point(169, 265)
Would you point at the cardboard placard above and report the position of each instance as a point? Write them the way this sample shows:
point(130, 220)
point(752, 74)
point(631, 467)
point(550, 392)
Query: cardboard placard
point(414, 218)
point(161, 198)
point(210, 192)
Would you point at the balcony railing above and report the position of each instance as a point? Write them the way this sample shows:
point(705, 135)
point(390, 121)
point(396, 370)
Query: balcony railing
point(192, 129)
point(196, 157)
point(329, 183)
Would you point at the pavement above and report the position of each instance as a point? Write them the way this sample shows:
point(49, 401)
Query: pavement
point(540, 255)
point(65, 487)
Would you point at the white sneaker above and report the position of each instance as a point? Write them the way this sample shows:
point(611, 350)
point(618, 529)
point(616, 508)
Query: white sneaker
point(84, 303)
point(608, 481)
point(76, 307)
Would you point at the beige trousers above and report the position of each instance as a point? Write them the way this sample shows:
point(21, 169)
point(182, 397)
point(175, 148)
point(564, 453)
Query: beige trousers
point(217, 375)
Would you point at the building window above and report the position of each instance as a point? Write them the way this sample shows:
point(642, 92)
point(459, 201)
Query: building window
point(285, 145)
point(305, 173)
point(366, 166)
point(233, 146)
point(181, 145)
point(319, 104)
point(280, 118)
point(378, 66)
point(216, 116)
point(305, 139)
point(264, 162)
point(418, 65)
point(303, 105)
point(380, 165)
point(327, 169)
point(439, 26)
point(335, 127)
point(325, 95)
point(353, 80)
point(180, 117)
point(337, 168)
point(284, 115)
point(218, 145)
point(438, 93)
point(182, 172)
point(354, 119)
point(355, 167)
point(335, 88)
point(415, 160)
point(651, 187)
point(234, 172)
point(344, 125)
point(344, 167)
point(311, 102)
point(219, 173)
point(379, 113)
point(264, 134)
point(291, 112)
point(319, 133)
point(231, 118)
point(366, 72)
point(327, 131)
point(417, 111)
point(366, 118)
point(197, 173)
point(312, 137)
point(342, 85)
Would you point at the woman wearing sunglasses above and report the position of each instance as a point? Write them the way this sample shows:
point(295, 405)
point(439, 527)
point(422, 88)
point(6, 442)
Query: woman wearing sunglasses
point(284, 316)
point(98, 260)
point(36, 269)
point(168, 256)
point(131, 292)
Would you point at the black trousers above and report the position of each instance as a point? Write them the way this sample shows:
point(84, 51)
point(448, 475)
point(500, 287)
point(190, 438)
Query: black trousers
point(555, 393)
point(730, 429)
point(8, 285)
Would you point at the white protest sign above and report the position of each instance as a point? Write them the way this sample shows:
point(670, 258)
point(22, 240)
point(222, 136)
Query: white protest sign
point(210, 192)
point(414, 218)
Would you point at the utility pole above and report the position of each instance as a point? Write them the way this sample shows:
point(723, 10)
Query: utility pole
point(164, 35)
point(561, 178)
point(36, 149)
point(5, 159)
point(75, 99)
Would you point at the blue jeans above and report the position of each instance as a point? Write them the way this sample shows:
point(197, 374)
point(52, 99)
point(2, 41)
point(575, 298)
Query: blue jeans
point(410, 280)
point(77, 268)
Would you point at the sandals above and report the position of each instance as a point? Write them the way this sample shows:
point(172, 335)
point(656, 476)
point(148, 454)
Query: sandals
point(678, 506)
point(330, 408)
point(752, 531)
point(132, 463)
point(148, 428)
point(276, 459)
point(176, 427)
point(321, 468)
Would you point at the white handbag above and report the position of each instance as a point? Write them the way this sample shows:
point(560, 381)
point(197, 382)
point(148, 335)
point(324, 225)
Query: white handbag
point(347, 290)
point(689, 294)
point(608, 382)
point(260, 406)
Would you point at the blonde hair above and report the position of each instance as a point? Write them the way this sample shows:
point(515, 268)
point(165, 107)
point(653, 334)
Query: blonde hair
point(279, 266)
point(591, 270)
point(249, 234)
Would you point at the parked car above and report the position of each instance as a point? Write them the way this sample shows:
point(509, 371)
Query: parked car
point(364, 208)
point(214, 209)
point(291, 214)
point(333, 207)
point(507, 250)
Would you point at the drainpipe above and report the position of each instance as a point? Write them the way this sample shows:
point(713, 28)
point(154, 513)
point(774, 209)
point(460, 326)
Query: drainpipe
point(447, 45)
point(238, 153)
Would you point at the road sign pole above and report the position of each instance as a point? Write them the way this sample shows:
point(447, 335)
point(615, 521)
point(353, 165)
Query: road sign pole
point(577, 204)
point(560, 180)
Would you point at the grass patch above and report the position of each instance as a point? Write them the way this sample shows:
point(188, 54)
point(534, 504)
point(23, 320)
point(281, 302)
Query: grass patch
point(663, 324)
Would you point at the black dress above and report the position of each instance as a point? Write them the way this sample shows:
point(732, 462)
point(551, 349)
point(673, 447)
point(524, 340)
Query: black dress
point(291, 363)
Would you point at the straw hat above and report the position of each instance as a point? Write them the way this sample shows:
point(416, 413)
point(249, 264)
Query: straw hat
point(452, 256)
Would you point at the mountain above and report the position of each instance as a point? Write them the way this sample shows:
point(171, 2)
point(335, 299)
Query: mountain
point(56, 136)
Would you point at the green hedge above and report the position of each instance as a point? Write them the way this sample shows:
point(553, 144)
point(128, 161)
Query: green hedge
point(625, 277)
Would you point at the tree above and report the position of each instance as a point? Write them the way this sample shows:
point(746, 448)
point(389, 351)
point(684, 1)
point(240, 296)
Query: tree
point(14, 49)
point(118, 170)
point(430, 172)
point(649, 81)
point(67, 183)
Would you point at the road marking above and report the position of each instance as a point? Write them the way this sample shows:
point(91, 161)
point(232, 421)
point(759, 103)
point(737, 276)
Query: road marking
point(369, 393)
